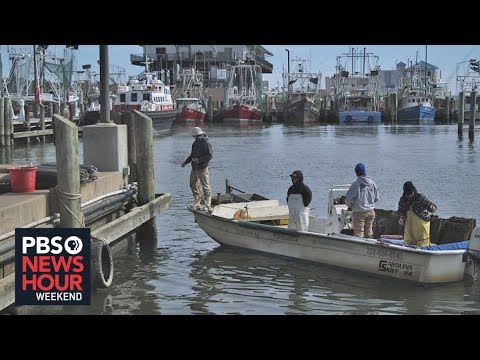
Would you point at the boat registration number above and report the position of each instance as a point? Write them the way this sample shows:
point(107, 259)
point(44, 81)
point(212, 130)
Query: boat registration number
point(382, 252)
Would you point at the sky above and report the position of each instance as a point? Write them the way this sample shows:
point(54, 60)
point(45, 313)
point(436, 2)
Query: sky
point(321, 57)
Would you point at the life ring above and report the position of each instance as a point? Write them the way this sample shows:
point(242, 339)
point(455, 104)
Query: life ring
point(101, 263)
point(370, 119)
point(348, 118)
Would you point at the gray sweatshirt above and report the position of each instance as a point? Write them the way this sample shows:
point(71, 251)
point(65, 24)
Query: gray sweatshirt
point(362, 195)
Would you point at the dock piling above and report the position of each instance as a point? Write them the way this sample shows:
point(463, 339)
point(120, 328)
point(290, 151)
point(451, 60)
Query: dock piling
point(461, 113)
point(473, 106)
point(210, 108)
point(2, 124)
point(7, 110)
point(42, 121)
point(132, 150)
point(68, 172)
point(26, 123)
point(144, 156)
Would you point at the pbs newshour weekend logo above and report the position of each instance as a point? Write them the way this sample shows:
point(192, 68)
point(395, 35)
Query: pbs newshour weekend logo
point(52, 266)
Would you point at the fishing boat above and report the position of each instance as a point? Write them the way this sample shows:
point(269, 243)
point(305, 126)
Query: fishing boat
point(191, 99)
point(357, 88)
point(151, 96)
point(243, 94)
point(416, 95)
point(303, 97)
point(191, 111)
point(254, 222)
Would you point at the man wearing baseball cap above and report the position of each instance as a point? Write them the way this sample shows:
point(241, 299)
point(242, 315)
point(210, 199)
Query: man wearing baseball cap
point(200, 156)
point(361, 198)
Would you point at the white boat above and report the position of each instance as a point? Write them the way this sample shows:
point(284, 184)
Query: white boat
point(261, 225)
point(151, 96)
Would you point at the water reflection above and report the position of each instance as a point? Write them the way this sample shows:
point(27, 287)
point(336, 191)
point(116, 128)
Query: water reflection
point(236, 281)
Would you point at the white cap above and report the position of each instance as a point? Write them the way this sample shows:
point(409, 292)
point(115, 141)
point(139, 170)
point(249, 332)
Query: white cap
point(197, 131)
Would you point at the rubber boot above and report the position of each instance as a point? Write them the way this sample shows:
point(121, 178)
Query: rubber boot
point(198, 199)
point(208, 203)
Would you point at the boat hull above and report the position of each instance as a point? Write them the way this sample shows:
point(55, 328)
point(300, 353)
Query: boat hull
point(418, 114)
point(162, 121)
point(360, 117)
point(190, 115)
point(242, 113)
point(301, 112)
point(365, 255)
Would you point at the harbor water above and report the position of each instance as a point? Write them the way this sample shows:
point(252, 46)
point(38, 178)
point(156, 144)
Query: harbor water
point(186, 272)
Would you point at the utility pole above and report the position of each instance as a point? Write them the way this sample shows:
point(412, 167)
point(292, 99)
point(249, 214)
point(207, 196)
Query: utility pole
point(104, 88)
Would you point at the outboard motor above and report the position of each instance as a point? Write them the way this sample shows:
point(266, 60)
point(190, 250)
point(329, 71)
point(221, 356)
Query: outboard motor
point(472, 268)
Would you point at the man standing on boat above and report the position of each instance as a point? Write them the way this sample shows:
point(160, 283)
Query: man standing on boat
point(361, 198)
point(299, 197)
point(414, 207)
point(200, 157)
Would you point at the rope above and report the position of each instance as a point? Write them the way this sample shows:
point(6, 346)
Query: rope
point(69, 196)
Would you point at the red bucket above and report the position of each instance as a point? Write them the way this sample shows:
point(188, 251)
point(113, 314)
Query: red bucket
point(22, 178)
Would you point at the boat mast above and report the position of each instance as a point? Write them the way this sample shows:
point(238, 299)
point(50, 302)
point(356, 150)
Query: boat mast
point(426, 90)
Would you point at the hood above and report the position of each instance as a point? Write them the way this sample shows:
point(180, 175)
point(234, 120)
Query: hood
point(365, 180)
point(300, 176)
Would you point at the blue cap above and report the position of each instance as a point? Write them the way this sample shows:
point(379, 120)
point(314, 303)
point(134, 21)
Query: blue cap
point(360, 169)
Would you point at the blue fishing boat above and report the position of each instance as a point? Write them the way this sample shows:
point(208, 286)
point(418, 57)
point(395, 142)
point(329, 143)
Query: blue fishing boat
point(416, 94)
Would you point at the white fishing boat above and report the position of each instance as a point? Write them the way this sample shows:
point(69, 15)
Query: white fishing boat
point(253, 222)
point(151, 96)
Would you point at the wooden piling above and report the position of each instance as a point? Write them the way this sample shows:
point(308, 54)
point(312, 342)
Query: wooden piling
point(461, 113)
point(71, 112)
point(82, 103)
point(450, 114)
point(473, 106)
point(62, 109)
point(2, 124)
point(26, 122)
point(144, 156)
point(395, 108)
point(68, 172)
point(42, 121)
point(210, 108)
point(7, 108)
point(132, 152)
point(447, 109)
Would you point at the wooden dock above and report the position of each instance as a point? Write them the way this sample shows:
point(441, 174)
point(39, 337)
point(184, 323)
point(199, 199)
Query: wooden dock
point(47, 208)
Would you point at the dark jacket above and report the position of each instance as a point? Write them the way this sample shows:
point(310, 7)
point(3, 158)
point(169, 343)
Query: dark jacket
point(300, 188)
point(202, 150)
point(419, 203)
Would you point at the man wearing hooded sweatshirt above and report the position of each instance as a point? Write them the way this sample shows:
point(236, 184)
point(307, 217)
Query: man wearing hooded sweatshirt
point(361, 199)
point(299, 197)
